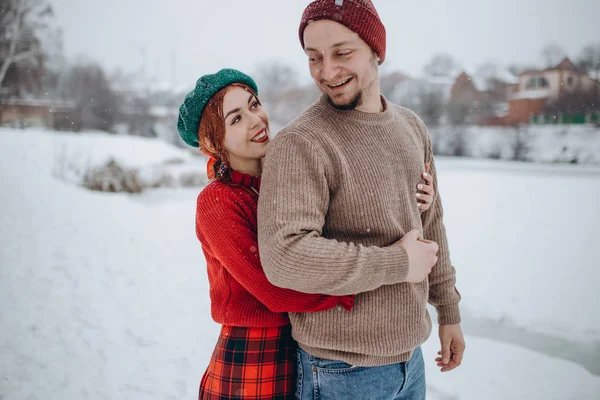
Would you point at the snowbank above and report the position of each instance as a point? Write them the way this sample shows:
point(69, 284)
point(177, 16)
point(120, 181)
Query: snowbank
point(105, 296)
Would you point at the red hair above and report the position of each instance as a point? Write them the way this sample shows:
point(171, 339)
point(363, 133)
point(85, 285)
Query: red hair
point(212, 129)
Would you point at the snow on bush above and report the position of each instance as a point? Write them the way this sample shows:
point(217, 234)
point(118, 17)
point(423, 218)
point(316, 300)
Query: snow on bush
point(103, 162)
point(112, 177)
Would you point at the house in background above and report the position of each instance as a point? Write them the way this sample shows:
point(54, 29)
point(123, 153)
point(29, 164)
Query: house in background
point(483, 100)
point(561, 94)
point(564, 89)
point(464, 90)
point(52, 114)
point(464, 100)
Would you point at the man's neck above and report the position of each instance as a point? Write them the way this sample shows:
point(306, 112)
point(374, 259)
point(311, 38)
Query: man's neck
point(372, 102)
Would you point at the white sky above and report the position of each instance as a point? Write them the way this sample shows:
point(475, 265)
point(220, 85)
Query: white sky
point(183, 39)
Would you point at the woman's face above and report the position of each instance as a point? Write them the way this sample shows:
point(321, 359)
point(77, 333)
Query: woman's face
point(246, 128)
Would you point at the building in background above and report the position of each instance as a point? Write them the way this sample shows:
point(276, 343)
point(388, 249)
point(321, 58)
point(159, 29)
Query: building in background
point(52, 114)
point(482, 97)
point(561, 94)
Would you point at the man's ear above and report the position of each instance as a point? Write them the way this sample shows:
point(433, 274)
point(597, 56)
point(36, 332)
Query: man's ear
point(375, 57)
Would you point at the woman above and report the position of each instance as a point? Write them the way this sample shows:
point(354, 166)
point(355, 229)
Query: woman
point(255, 355)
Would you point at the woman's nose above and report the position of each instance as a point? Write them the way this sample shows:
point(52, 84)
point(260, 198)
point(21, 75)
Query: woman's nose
point(255, 120)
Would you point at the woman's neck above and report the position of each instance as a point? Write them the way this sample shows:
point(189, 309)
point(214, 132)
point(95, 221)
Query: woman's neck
point(253, 168)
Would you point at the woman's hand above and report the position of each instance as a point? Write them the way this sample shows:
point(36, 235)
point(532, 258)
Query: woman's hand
point(425, 192)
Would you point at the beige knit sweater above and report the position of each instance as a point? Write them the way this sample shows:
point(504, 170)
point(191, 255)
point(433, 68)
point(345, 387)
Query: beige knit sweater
point(338, 189)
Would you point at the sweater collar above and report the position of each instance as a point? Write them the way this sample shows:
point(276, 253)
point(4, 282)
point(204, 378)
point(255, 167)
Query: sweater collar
point(361, 117)
point(245, 179)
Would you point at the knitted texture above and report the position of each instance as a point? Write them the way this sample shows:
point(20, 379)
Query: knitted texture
point(195, 101)
point(338, 190)
point(240, 293)
point(359, 16)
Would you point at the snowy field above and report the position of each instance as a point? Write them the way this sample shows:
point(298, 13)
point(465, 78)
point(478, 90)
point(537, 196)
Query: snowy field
point(104, 296)
point(578, 144)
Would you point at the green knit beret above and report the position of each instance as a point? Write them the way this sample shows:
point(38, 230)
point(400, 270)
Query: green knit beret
point(195, 101)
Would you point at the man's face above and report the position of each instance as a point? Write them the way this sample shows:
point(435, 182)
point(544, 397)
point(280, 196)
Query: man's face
point(342, 65)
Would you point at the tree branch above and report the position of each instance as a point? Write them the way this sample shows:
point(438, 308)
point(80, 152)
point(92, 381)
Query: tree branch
point(24, 55)
point(16, 30)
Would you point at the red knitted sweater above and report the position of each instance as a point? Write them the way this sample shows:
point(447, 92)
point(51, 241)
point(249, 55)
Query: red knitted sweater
point(240, 292)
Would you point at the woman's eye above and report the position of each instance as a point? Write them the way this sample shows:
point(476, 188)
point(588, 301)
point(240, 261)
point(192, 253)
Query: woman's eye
point(236, 120)
point(255, 104)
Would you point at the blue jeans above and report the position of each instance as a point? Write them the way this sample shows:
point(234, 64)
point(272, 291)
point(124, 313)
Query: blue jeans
point(321, 379)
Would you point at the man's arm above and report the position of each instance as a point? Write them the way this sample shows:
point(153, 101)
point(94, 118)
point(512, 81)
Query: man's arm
point(442, 279)
point(292, 207)
point(236, 249)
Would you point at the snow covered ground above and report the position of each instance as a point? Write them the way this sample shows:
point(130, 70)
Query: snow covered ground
point(522, 237)
point(104, 296)
point(578, 144)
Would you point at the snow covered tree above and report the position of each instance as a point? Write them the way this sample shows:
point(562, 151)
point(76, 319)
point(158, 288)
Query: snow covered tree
point(25, 27)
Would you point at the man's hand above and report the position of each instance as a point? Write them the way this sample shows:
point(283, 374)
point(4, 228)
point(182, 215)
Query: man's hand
point(453, 347)
point(422, 255)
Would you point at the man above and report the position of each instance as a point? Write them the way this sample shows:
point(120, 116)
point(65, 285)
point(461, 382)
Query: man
point(337, 215)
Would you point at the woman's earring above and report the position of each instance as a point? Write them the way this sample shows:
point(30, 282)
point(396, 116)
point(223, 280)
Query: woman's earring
point(222, 169)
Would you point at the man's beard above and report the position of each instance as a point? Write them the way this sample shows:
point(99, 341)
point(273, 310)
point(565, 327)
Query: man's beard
point(355, 102)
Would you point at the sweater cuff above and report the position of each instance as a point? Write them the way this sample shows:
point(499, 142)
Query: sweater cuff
point(448, 314)
point(395, 262)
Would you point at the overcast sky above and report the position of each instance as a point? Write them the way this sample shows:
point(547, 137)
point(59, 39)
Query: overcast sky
point(179, 40)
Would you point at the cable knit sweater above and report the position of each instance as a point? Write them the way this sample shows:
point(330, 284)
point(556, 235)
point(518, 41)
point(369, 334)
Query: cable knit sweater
point(338, 189)
point(240, 293)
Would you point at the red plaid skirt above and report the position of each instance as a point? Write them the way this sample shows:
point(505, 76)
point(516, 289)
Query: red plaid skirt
point(251, 363)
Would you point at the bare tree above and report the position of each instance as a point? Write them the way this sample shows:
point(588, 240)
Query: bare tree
point(389, 81)
point(516, 69)
point(589, 60)
point(274, 78)
point(573, 103)
point(431, 106)
point(459, 143)
point(521, 143)
point(552, 54)
point(21, 22)
point(137, 116)
point(98, 105)
point(441, 65)
point(487, 72)
point(458, 113)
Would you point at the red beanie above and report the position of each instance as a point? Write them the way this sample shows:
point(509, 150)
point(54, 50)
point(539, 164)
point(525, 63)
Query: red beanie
point(359, 16)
